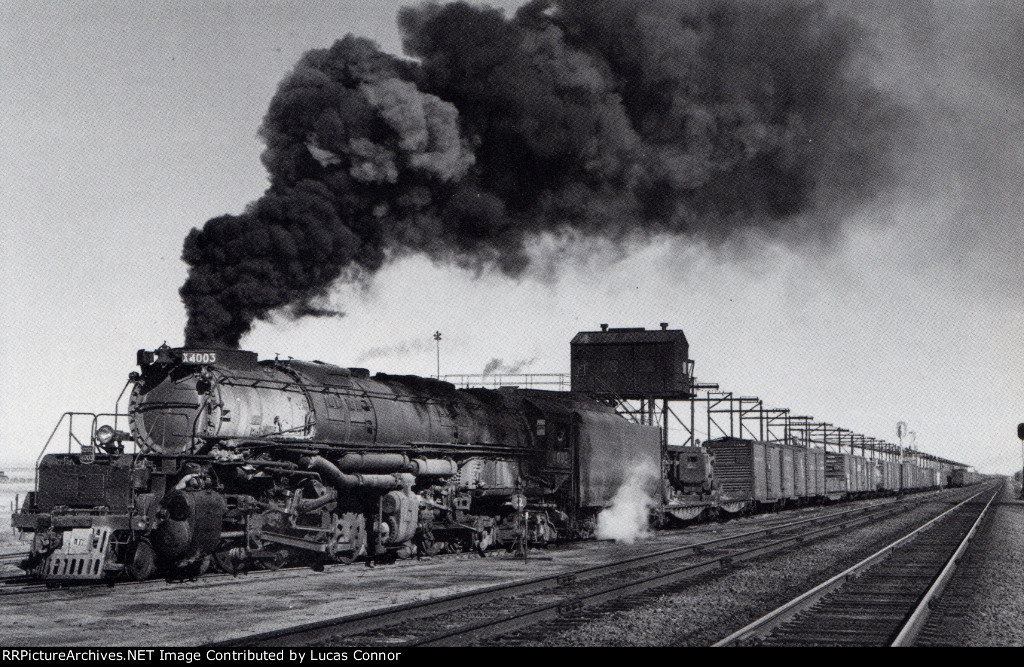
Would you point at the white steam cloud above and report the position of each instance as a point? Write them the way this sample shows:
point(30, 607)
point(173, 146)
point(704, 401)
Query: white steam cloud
point(626, 519)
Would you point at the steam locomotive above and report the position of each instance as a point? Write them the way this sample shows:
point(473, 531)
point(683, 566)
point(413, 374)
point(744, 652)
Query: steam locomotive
point(243, 463)
point(246, 463)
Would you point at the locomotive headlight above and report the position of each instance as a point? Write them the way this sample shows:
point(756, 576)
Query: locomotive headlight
point(105, 435)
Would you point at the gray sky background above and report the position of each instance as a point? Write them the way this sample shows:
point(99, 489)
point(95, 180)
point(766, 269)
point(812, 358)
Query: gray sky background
point(124, 125)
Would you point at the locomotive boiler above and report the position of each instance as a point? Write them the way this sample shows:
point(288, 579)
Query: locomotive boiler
point(245, 463)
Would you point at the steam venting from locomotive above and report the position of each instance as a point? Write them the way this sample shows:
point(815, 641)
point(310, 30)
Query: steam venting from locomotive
point(571, 119)
point(626, 518)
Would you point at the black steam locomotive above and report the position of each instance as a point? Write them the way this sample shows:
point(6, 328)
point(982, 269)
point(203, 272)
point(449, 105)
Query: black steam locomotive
point(245, 463)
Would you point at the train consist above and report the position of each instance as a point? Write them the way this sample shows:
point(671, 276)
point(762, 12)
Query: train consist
point(246, 463)
point(734, 475)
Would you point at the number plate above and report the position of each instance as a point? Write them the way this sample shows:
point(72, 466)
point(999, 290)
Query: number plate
point(199, 357)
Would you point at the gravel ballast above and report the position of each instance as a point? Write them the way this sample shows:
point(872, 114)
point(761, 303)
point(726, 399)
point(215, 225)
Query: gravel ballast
point(983, 605)
point(219, 608)
point(705, 611)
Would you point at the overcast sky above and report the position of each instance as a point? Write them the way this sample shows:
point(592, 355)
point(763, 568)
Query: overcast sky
point(123, 125)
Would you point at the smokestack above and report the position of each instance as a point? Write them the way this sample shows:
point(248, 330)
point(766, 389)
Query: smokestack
point(664, 326)
point(604, 327)
point(602, 118)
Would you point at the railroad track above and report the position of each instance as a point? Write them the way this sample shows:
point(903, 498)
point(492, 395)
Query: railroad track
point(464, 618)
point(885, 599)
point(20, 584)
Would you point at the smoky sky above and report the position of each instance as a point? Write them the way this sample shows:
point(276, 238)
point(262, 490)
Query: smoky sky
point(596, 118)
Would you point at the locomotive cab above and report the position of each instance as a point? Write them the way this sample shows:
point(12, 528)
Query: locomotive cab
point(690, 470)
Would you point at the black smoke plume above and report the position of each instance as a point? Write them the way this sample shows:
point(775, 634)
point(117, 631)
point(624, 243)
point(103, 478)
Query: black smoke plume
point(579, 118)
point(498, 367)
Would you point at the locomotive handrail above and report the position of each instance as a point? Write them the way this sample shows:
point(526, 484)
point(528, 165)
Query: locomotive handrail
point(560, 380)
point(323, 445)
point(117, 403)
point(70, 417)
point(297, 386)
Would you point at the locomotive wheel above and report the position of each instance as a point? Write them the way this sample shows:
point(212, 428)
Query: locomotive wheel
point(231, 561)
point(141, 562)
point(275, 560)
point(458, 543)
point(343, 557)
point(433, 547)
point(225, 563)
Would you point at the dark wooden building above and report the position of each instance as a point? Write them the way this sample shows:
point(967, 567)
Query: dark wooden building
point(632, 364)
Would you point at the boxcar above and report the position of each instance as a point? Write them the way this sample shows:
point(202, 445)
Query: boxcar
point(773, 470)
point(816, 472)
point(912, 476)
point(800, 472)
point(962, 477)
point(906, 476)
point(861, 465)
point(746, 469)
point(837, 474)
point(788, 472)
point(890, 480)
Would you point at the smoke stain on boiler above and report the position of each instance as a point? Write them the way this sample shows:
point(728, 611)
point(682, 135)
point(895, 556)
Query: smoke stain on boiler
point(605, 119)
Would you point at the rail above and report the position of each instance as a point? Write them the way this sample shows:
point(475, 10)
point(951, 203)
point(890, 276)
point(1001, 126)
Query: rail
point(912, 628)
point(775, 619)
point(347, 626)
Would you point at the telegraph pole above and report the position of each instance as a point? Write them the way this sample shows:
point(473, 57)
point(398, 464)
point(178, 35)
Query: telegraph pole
point(1020, 434)
point(437, 338)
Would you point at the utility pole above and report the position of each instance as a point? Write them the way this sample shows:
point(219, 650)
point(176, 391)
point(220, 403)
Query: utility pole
point(437, 338)
point(1020, 434)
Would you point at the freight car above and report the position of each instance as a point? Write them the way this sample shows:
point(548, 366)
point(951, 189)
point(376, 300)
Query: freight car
point(750, 475)
point(244, 462)
point(963, 477)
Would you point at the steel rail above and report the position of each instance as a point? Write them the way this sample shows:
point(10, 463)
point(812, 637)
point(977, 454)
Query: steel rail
point(767, 623)
point(14, 557)
point(516, 621)
point(388, 616)
point(913, 626)
point(24, 583)
point(16, 584)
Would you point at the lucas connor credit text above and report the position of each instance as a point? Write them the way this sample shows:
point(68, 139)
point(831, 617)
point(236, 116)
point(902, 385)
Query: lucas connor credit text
point(292, 656)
